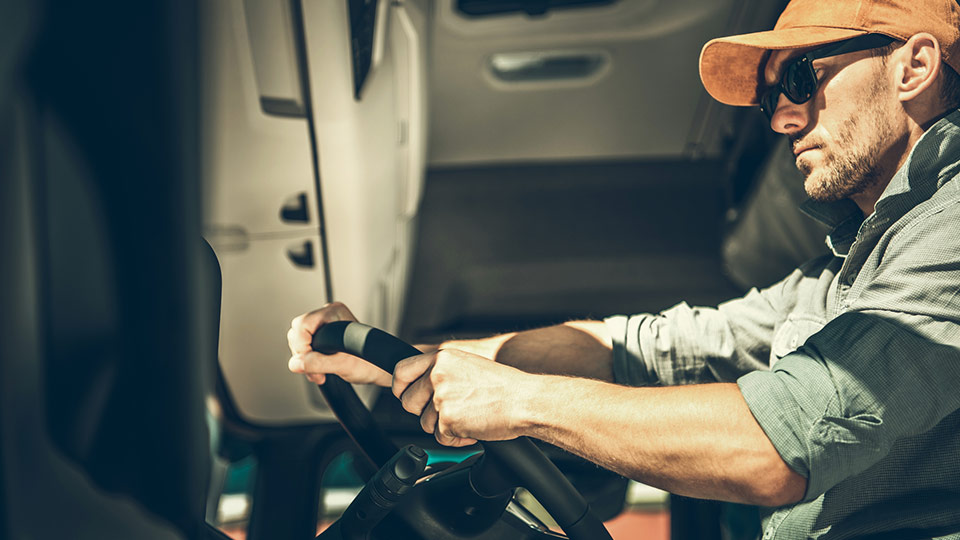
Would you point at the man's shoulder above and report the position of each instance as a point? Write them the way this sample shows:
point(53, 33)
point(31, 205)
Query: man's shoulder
point(936, 219)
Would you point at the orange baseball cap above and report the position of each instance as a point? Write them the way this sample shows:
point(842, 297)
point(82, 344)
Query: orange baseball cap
point(731, 68)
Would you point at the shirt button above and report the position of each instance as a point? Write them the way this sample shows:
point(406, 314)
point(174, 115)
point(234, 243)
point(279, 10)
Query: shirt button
point(768, 534)
point(851, 278)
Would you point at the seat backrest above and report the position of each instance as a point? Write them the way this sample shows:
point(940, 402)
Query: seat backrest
point(102, 328)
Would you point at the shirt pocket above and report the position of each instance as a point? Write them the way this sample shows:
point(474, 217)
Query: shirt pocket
point(792, 333)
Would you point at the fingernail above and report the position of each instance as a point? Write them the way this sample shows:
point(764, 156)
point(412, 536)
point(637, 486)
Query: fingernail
point(295, 364)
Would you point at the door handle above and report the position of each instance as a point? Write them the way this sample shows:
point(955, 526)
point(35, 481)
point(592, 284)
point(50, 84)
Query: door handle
point(295, 209)
point(301, 254)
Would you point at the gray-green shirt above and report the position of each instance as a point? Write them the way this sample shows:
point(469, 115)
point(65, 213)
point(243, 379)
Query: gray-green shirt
point(851, 364)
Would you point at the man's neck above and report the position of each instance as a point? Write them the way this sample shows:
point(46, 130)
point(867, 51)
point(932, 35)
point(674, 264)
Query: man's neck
point(867, 199)
point(897, 155)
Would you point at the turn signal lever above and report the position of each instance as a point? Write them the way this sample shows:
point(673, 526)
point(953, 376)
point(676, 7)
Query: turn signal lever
point(379, 496)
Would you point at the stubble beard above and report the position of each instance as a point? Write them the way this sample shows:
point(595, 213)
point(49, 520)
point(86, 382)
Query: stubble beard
point(852, 164)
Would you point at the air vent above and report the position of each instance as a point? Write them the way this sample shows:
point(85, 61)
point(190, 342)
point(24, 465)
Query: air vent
point(482, 8)
point(531, 67)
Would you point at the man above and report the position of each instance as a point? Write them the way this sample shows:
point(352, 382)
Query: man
point(833, 397)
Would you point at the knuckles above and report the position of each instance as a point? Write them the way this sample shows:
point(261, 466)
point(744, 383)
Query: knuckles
point(444, 365)
point(403, 376)
point(437, 376)
point(334, 311)
point(297, 321)
point(292, 337)
point(339, 310)
point(444, 430)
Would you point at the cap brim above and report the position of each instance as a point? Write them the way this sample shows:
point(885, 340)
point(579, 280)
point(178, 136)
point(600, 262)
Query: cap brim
point(731, 68)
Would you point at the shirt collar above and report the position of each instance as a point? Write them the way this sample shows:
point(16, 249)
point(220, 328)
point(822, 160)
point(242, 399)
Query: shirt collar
point(932, 162)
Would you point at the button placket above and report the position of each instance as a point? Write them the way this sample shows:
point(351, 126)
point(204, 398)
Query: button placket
point(775, 521)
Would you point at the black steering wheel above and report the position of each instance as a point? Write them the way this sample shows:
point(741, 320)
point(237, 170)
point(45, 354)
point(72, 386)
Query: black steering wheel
point(504, 464)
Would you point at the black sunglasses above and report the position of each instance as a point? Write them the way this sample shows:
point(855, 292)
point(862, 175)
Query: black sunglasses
point(798, 80)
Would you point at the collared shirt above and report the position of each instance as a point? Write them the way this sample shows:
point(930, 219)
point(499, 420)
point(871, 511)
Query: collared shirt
point(851, 365)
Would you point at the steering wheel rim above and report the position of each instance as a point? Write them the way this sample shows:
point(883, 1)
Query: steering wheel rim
point(518, 458)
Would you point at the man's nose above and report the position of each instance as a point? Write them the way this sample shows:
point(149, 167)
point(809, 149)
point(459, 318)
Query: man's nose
point(789, 117)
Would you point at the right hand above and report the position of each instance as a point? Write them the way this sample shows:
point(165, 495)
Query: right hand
point(315, 365)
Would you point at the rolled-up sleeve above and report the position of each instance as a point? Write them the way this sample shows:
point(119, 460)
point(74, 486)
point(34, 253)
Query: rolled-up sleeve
point(682, 345)
point(692, 345)
point(838, 404)
point(628, 365)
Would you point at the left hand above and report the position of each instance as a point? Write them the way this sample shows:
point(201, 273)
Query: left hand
point(461, 397)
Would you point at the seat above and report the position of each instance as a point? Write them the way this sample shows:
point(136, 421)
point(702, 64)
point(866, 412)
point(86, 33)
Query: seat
point(105, 344)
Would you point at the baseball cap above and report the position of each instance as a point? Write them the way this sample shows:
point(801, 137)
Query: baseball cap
point(731, 68)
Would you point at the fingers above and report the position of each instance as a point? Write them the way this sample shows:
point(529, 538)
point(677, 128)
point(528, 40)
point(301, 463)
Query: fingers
point(302, 327)
point(445, 435)
point(298, 339)
point(413, 386)
point(317, 378)
point(350, 368)
point(409, 370)
point(416, 396)
point(315, 365)
point(430, 422)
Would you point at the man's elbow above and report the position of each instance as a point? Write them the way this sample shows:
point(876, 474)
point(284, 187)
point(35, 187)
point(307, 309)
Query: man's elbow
point(779, 487)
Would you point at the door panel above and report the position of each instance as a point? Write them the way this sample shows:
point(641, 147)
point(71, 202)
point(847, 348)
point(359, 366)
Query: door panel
point(266, 66)
point(264, 282)
point(254, 162)
point(372, 152)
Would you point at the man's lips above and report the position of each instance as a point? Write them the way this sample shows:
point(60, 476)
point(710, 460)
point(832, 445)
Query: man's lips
point(801, 149)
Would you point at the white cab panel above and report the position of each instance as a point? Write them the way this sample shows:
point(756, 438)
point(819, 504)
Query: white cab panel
point(372, 153)
point(262, 287)
point(253, 163)
point(261, 211)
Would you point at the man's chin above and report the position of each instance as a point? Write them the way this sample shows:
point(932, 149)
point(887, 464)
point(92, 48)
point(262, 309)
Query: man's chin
point(818, 190)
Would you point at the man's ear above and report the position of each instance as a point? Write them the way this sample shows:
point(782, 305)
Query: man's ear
point(918, 66)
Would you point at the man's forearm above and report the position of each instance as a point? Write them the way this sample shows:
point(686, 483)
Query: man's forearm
point(700, 441)
point(578, 349)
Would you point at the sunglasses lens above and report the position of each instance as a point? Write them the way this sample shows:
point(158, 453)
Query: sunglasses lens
point(799, 81)
point(768, 102)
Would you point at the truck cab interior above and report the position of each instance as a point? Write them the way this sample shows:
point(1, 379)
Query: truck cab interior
point(180, 179)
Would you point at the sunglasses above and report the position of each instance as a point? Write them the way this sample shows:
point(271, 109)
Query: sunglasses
point(798, 80)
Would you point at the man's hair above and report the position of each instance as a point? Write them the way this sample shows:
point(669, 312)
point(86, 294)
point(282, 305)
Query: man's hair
point(949, 79)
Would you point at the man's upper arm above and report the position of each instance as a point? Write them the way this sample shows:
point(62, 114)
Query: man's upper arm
point(837, 405)
point(885, 370)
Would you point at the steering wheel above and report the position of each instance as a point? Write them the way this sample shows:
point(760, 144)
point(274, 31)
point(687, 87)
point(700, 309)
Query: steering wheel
point(504, 464)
